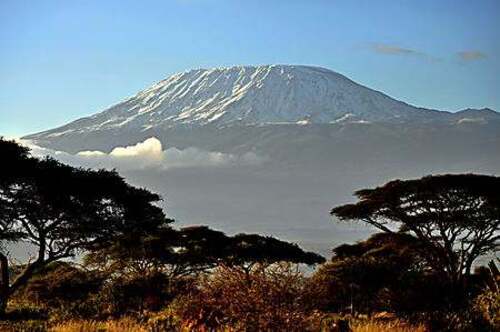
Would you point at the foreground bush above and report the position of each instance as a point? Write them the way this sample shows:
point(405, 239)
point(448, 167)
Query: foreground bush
point(391, 326)
point(487, 307)
point(122, 325)
point(127, 324)
point(263, 299)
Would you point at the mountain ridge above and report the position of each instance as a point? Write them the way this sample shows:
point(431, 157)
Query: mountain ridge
point(250, 95)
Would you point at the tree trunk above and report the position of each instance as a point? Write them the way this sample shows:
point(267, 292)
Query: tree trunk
point(3, 305)
point(4, 283)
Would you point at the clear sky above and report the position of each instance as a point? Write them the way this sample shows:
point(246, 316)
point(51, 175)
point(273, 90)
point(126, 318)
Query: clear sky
point(60, 60)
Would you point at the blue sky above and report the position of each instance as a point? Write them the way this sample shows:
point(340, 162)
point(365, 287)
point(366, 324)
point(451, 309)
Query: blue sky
point(60, 60)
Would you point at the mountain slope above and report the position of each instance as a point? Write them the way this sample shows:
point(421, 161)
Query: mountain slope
point(238, 109)
point(249, 95)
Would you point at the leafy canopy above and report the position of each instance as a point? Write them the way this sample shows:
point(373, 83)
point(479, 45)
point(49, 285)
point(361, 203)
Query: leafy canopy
point(455, 217)
point(62, 210)
point(194, 249)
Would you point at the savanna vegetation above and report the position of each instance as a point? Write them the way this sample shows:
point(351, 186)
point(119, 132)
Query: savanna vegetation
point(104, 257)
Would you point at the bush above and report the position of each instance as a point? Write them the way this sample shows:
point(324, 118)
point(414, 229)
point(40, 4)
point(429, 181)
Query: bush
point(487, 309)
point(60, 285)
point(126, 295)
point(23, 326)
point(122, 325)
point(391, 326)
point(263, 299)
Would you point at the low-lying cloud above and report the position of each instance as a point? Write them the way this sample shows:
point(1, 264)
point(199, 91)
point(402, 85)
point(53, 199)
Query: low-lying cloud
point(148, 155)
point(395, 50)
point(471, 55)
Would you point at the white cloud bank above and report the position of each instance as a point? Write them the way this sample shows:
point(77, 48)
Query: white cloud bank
point(148, 155)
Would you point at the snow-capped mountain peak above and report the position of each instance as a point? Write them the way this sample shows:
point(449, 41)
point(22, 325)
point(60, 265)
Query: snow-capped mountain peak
point(249, 95)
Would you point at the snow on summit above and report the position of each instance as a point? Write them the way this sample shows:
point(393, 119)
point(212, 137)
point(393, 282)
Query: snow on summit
point(248, 95)
point(245, 95)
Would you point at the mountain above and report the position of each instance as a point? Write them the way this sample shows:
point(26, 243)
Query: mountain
point(322, 136)
point(249, 96)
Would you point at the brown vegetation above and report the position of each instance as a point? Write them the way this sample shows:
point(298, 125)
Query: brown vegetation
point(142, 274)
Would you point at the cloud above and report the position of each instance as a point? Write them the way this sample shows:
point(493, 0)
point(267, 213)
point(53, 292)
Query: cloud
point(471, 120)
point(393, 50)
point(471, 55)
point(148, 155)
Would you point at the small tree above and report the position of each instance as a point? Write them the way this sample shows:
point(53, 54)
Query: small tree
point(61, 210)
point(456, 218)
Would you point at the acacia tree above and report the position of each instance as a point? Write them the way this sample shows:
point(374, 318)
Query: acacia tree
point(61, 210)
point(248, 250)
point(456, 218)
point(194, 249)
point(153, 268)
point(18, 161)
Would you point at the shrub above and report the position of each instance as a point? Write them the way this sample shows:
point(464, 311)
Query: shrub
point(263, 299)
point(59, 284)
point(122, 325)
point(487, 308)
point(391, 326)
point(135, 294)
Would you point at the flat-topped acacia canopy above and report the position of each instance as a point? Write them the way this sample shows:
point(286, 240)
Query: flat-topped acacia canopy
point(455, 216)
point(61, 210)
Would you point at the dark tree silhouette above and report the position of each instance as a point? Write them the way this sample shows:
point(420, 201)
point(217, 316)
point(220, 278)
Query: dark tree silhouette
point(246, 250)
point(61, 210)
point(16, 163)
point(194, 249)
point(456, 218)
point(61, 284)
point(385, 272)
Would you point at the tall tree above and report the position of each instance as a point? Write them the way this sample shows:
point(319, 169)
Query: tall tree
point(61, 210)
point(16, 162)
point(456, 218)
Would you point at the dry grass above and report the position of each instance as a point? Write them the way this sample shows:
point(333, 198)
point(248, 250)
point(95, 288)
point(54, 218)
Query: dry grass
point(389, 326)
point(122, 325)
point(129, 325)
